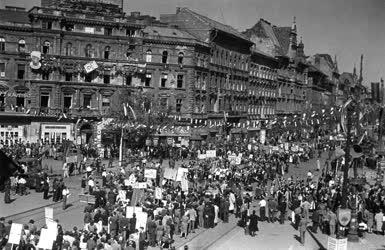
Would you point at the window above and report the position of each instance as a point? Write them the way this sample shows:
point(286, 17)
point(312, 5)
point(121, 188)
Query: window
point(20, 71)
point(2, 69)
point(19, 101)
point(163, 81)
point(148, 55)
point(147, 80)
point(88, 77)
point(44, 100)
point(108, 31)
point(107, 52)
point(179, 82)
point(21, 47)
point(164, 56)
point(46, 46)
point(128, 80)
point(130, 32)
point(87, 101)
point(106, 77)
point(69, 27)
point(45, 75)
point(89, 51)
point(163, 102)
point(68, 49)
point(68, 77)
point(2, 44)
point(178, 106)
point(46, 25)
point(67, 101)
point(105, 102)
point(180, 58)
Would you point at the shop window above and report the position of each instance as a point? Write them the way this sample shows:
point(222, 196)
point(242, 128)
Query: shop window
point(164, 57)
point(44, 100)
point(20, 101)
point(179, 82)
point(129, 80)
point(67, 101)
point(87, 101)
point(107, 77)
point(108, 31)
point(20, 71)
point(107, 52)
point(178, 105)
point(147, 80)
point(163, 81)
point(180, 58)
point(46, 25)
point(2, 44)
point(21, 45)
point(105, 102)
point(88, 77)
point(88, 51)
point(68, 77)
point(148, 55)
point(2, 69)
point(46, 46)
point(68, 49)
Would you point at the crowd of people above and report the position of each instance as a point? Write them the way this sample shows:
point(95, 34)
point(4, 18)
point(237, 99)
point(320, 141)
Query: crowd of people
point(258, 188)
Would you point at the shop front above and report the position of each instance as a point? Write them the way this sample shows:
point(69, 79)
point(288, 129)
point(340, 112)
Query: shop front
point(56, 132)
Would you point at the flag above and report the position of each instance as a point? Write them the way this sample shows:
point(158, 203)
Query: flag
point(7, 167)
point(125, 110)
point(132, 111)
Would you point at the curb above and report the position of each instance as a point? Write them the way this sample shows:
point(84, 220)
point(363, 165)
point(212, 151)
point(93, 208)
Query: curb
point(320, 245)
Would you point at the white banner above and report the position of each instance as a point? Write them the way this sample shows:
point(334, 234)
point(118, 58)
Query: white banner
point(91, 66)
point(181, 173)
point(211, 153)
point(46, 240)
point(15, 233)
point(150, 173)
point(158, 193)
point(141, 220)
point(202, 156)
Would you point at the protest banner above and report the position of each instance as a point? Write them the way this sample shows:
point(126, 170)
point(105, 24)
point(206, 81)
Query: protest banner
point(211, 154)
point(139, 185)
point(202, 156)
point(337, 244)
point(52, 227)
point(48, 214)
point(45, 240)
point(180, 173)
point(141, 220)
point(15, 233)
point(170, 173)
point(150, 173)
point(91, 66)
point(158, 193)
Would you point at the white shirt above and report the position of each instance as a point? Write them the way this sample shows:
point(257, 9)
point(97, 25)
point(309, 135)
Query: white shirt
point(91, 183)
point(262, 203)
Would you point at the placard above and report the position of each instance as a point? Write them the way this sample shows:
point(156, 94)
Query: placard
point(48, 212)
point(15, 233)
point(140, 185)
point(202, 156)
point(170, 173)
point(158, 193)
point(211, 153)
point(184, 184)
point(238, 160)
point(262, 137)
point(141, 220)
point(337, 244)
point(45, 240)
point(150, 173)
point(180, 173)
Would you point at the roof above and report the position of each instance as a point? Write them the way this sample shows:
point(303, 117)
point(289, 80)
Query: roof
point(12, 16)
point(214, 24)
point(166, 31)
point(283, 36)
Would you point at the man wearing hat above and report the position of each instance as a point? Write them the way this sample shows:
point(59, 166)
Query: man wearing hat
point(32, 227)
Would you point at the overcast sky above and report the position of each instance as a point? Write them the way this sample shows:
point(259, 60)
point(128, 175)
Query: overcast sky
point(347, 28)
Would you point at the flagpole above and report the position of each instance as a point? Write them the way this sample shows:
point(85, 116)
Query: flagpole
point(121, 148)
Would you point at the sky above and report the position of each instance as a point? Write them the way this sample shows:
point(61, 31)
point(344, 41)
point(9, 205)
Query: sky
point(345, 28)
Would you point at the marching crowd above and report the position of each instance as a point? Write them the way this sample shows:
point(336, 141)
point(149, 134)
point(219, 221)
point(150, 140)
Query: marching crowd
point(211, 190)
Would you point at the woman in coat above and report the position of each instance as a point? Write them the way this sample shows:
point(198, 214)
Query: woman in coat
point(253, 223)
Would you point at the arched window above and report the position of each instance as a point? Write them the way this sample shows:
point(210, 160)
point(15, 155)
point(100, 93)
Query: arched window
point(21, 46)
point(2, 44)
point(46, 46)
point(88, 51)
point(68, 49)
point(180, 58)
point(107, 52)
point(164, 56)
point(148, 55)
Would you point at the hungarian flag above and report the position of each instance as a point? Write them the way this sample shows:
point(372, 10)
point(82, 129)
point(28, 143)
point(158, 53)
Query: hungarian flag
point(7, 167)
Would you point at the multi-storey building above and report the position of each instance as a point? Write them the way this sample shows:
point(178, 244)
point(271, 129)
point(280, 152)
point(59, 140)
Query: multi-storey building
point(286, 66)
point(224, 79)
